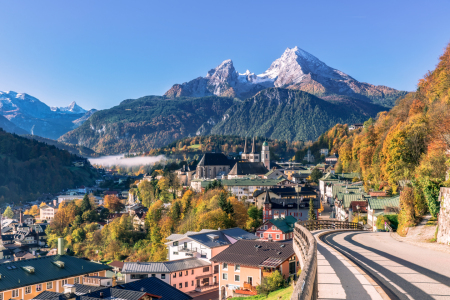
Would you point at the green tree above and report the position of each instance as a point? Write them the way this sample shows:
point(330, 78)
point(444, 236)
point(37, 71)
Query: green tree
point(85, 204)
point(8, 213)
point(311, 213)
point(316, 174)
point(271, 283)
point(253, 213)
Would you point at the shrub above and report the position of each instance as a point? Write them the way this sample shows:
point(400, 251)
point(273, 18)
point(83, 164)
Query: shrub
point(271, 283)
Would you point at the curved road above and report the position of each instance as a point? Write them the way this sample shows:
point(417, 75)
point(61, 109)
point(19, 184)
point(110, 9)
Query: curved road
point(403, 270)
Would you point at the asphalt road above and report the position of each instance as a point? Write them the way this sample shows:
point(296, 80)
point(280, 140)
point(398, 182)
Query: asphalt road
point(406, 271)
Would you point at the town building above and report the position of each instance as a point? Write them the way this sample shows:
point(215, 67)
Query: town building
point(280, 195)
point(277, 230)
point(244, 187)
point(275, 174)
point(332, 159)
point(355, 126)
point(25, 279)
point(246, 169)
point(381, 206)
point(47, 212)
point(244, 264)
point(198, 185)
point(323, 151)
point(213, 165)
point(185, 175)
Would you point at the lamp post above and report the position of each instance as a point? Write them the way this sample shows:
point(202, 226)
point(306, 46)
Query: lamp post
point(357, 209)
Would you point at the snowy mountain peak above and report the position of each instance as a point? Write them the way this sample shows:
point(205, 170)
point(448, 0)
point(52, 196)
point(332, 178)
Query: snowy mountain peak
point(71, 108)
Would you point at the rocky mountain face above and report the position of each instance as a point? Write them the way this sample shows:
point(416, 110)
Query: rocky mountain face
point(8, 126)
point(295, 69)
point(37, 118)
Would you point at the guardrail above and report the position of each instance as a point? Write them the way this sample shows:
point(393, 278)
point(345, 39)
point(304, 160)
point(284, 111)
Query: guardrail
point(305, 247)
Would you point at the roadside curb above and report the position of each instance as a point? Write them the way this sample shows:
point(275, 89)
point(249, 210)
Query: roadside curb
point(378, 288)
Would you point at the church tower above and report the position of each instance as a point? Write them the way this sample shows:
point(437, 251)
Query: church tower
point(254, 157)
point(267, 207)
point(265, 155)
point(244, 155)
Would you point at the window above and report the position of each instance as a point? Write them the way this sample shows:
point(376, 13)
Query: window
point(64, 281)
point(192, 272)
point(139, 276)
point(49, 285)
point(237, 278)
point(273, 227)
point(186, 284)
point(237, 268)
point(163, 276)
point(206, 269)
point(181, 274)
point(76, 280)
point(224, 276)
point(1, 296)
point(192, 284)
point(175, 253)
point(153, 275)
point(175, 275)
point(278, 236)
point(270, 236)
point(38, 287)
point(261, 235)
point(180, 285)
point(225, 266)
point(265, 227)
point(175, 244)
point(187, 273)
point(175, 286)
point(15, 293)
point(27, 289)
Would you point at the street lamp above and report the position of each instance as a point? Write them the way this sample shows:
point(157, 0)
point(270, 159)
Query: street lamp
point(357, 209)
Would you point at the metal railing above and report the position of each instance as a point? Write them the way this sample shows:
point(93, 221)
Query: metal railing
point(305, 247)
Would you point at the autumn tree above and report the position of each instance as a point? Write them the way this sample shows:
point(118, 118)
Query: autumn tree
point(8, 213)
point(85, 204)
point(113, 203)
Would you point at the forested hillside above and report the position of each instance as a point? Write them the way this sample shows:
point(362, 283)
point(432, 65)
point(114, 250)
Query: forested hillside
point(146, 123)
point(291, 115)
point(406, 147)
point(29, 168)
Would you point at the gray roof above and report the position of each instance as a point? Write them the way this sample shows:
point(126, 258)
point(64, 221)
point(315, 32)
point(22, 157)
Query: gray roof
point(175, 236)
point(215, 159)
point(164, 267)
point(248, 168)
point(235, 233)
point(113, 293)
point(156, 286)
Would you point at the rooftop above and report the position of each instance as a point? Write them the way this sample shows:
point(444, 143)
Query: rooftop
point(248, 168)
point(214, 159)
point(164, 267)
point(156, 286)
point(250, 182)
point(382, 203)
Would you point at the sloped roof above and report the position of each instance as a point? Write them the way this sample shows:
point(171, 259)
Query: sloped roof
point(247, 253)
point(235, 233)
point(286, 225)
point(45, 270)
point(164, 267)
point(248, 168)
point(250, 182)
point(156, 286)
point(214, 159)
point(114, 293)
point(382, 203)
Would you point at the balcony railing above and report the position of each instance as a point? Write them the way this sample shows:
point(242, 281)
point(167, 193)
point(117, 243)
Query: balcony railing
point(247, 289)
point(187, 249)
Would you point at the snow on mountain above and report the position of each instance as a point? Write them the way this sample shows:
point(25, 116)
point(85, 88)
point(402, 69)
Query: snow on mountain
point(38, 118)
point(295, 69)
point(72, 108)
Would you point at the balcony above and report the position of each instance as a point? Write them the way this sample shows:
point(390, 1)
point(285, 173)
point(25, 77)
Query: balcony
point(187, 249)
point(247, 289)
point(206, 287)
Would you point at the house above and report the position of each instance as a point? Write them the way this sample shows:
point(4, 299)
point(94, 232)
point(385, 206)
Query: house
point(117, 266)
point(342, 204)
point(244, 264)
point(378, 206)
point(184, 274)
point(332, 159)
point(185, 175)
point(158, 287)
point(199, 185)
point(278, 230)
point(139, 221)
point(355, 126)
point(282, 195)
point(213, 165)
point(28, 219)
point(323, 151)
point(47, 212)
point(327, 182)
point(244, 169)
point(244, 187)
point(274, 174)
point(297, 209)
point(48, 273)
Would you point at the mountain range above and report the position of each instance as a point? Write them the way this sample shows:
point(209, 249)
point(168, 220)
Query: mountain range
point(37, 118)
point(295, 69)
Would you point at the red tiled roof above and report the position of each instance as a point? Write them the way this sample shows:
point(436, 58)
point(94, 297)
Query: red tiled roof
point(117, 264)
point(362, 206)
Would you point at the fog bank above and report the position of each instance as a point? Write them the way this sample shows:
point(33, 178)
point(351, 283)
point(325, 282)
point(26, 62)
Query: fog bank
point(119, 160)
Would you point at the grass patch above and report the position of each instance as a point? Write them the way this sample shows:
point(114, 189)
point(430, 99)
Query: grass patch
point(432, 222)
point(282, 294)
point(196, 146)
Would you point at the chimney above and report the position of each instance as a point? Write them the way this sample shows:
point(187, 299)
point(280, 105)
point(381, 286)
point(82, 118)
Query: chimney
point(20, 217)
point(69, 288)
point(101, 294)
point(60, 246)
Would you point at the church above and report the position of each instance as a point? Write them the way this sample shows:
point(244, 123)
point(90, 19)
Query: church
point(255, 157)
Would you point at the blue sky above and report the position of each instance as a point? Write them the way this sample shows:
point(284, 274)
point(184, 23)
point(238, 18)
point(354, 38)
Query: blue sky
point(99, 53)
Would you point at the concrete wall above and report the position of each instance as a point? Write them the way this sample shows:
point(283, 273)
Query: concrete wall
point(443, 235)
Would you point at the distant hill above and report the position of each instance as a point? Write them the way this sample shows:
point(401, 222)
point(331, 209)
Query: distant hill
point(74, 149)
point(146, 123)
point(295, 69)
point(10, 127)
point(29, 168)
point(152, 122)
point(291, 115)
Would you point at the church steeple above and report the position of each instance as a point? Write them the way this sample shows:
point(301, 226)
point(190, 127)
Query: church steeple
point(245, 146)
point(253, 145)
